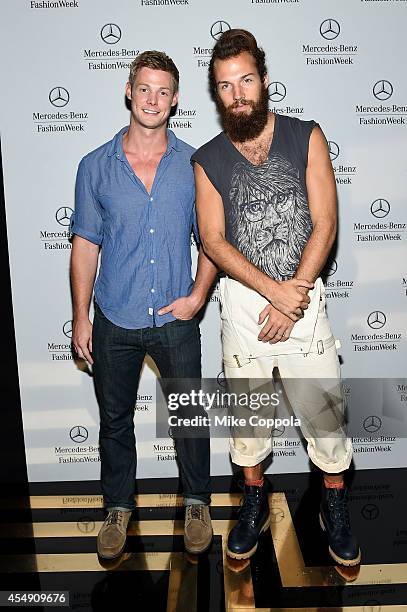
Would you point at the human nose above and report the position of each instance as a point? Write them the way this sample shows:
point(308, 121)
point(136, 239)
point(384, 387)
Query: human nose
point(152, 98)
point(238, 93)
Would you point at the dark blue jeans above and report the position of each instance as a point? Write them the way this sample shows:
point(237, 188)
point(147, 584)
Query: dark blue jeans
point(118, 356)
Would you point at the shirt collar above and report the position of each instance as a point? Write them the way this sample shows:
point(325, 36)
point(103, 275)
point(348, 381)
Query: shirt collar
point(116, 144)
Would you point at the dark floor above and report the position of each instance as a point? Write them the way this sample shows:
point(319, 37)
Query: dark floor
point(291, 569)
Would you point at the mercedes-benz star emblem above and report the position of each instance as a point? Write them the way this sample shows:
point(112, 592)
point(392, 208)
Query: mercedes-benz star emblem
point(277, 91)
point(372, 423)
point(331, 267)
point(218, 28)
point(330, 29)
point(86, 524)
point(370, 512)
point(382, 90)
point(221, 380)
point(59, 97)
point(333, 150)
point(67, 329)
point(376, 319)
point(63, 215)
point(380, 208)
point(78, 434)
point(278, 431)
point(110, 33)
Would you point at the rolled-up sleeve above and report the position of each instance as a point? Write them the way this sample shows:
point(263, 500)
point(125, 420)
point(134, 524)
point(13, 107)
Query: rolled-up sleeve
point(86, 221)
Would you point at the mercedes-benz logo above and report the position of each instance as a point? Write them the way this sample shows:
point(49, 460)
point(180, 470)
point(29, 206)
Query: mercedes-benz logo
point(377, 319)
point(59, 97)
point(380, 208)
point(370, 512)
point(110, 33)
point(276, 515)
point(63, 215)
point(331, 267)
point(330, 29)
point(221, 379)
point(372, 424)
point(333, 150)
point(277, 91)
point(86, 524)
point(78, 434)
point(278, 431)
point(382, 90)
point(218, 28)
point(67, 328)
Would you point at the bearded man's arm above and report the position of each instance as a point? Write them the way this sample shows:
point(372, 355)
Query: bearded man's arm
point(288, 296)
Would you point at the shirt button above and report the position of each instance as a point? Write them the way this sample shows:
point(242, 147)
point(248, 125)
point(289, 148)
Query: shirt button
point(151, 260)
point(152, 290)
point(151, 231)
point(151, 199)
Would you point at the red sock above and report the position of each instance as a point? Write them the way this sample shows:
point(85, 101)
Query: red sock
point(333, 485)
point(254, 483)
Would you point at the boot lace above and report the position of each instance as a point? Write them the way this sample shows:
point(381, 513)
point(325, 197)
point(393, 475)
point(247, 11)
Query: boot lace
point(250, 508)
point(339, 510)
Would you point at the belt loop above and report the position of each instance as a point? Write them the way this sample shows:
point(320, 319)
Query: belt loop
point(320, 347)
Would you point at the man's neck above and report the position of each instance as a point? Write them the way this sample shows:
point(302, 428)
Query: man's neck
point(145, 142)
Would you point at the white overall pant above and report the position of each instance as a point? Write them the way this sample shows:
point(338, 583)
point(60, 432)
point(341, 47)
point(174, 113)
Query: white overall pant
point(310, 353)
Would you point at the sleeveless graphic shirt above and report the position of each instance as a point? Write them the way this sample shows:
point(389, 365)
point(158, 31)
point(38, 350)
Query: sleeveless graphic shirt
point(267, 216)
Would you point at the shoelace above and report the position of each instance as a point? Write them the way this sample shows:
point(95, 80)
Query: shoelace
point(115, 517)
point(196, 512)
point(339, 509)
point(249, 510)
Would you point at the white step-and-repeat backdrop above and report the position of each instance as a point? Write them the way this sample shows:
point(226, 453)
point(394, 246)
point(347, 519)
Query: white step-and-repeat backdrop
point(66, 62)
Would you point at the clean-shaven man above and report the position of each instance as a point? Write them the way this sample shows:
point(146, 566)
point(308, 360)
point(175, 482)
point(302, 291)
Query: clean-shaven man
point(266, 203)
point(134, 206)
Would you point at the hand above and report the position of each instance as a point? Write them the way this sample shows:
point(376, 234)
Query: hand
point(277, 328)
point(183, 308)
point(82, 339)
point(289, 297)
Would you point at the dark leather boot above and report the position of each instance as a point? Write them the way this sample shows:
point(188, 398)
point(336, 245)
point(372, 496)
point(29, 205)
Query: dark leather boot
point(334, 520)
point(254, 518)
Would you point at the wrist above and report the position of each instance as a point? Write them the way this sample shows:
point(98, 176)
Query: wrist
point(271, 288)
point(80, 316)
point(197, 297)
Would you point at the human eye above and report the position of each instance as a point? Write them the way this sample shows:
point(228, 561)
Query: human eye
point(248, 80)
point(164, 93)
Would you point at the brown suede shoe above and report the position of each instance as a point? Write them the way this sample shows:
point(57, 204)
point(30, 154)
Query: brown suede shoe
point(112, 534)
point(198, 528)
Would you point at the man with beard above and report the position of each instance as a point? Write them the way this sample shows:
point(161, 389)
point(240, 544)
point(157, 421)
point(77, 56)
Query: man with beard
point(266, 202)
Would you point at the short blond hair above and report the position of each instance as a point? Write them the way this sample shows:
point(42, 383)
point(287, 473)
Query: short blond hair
point(157, 60)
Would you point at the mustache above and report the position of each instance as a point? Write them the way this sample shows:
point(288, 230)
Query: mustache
point(240, 102)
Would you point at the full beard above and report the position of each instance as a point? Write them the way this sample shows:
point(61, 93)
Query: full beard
point(240, 126)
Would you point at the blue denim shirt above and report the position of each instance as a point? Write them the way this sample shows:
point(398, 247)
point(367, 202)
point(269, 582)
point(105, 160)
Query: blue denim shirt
point(145, 238)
